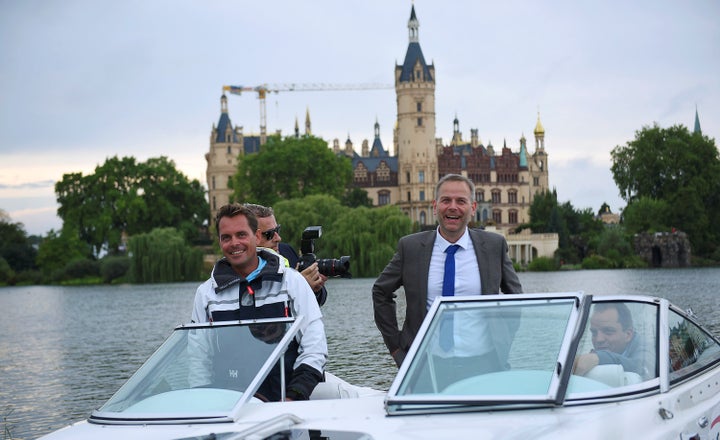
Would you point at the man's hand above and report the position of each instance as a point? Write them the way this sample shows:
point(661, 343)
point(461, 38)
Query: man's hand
point(314, 278)
point(584, 363)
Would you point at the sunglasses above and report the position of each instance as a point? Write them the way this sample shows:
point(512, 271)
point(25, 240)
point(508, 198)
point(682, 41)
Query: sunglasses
point(270, 233)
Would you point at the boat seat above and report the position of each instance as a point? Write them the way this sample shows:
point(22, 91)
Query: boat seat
point(613, 375)
point(336, 388)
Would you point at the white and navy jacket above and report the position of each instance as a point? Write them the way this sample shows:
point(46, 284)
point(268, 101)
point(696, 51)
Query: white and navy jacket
point(274, 291)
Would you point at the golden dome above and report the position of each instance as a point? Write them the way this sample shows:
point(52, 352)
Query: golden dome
point(539, 130)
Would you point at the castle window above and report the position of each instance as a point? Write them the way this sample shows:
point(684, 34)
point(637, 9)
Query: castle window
point(419, 121)
point(496, 196)
point(360, 173)
point(497, 216)
point(422, 195)
point(383, 172)
point(536, 181)
point(419, 106)
point(512, 217)
point(480, 196)
point(407, 177)
point(423, 218)
point(512, 197)
point(213, 182)
point(214, 204)
point(229, 149)
point(408, 196)
point(383, 198)
point(421, 176)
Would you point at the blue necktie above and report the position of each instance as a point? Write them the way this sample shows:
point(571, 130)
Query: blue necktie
point(448, 289)
point(449, 276)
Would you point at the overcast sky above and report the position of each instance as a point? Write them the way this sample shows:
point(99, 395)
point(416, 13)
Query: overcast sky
point(84, 80)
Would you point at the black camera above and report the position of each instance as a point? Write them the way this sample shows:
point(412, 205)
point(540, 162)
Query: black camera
point(329, 267)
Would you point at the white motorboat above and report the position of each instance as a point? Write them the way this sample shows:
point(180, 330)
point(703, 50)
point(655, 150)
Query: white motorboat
point(201, 383)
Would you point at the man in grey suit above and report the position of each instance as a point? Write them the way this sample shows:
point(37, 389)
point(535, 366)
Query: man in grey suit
point(483, 267)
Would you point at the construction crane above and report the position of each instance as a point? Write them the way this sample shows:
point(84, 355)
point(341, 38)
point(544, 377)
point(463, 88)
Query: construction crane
point(263, 89)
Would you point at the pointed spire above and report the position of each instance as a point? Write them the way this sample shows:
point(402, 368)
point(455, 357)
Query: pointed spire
point(297, 128)
point(223, 104)
point(308, 126)
point(377, 128)
point(413, 25)
point(697, 122)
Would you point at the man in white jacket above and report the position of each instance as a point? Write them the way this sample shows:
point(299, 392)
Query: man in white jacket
point(251, 283)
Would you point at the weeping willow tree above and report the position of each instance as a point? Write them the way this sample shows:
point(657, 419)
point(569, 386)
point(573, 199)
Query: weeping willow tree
point(163, 256)
point(368, 235)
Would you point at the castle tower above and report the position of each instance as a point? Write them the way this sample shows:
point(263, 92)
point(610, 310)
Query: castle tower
point(226, 143)
point(539, 168)
point(417, 158)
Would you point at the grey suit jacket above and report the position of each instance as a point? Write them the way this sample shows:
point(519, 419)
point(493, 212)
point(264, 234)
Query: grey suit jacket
point(409, 267)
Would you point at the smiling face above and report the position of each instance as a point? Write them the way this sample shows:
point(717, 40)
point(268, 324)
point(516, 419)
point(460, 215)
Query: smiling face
point(454, 207)
point(238, 243)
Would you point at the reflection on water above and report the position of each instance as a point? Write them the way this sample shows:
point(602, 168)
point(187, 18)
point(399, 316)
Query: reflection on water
point(65, 350)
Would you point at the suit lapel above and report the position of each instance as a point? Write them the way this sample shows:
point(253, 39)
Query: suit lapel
point(481, 255)
point(426, 248)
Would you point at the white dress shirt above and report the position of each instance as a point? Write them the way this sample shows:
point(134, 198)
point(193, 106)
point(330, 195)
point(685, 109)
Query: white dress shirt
point(470, 330)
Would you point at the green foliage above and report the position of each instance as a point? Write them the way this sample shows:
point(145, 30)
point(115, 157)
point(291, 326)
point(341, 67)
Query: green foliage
point(646, 215)
point(297, 214)
point(6, 272)
point(82, 268)
point(291, 168)
point(679, 168)
point(368, 235)
point(576, 229)
point(113, 268)
point(357, 197)
point(597, 262)
point(613, 244)
point(57, 250)
point(15, 247)
point(124, 195)
point(543, 264)
point(163, 256)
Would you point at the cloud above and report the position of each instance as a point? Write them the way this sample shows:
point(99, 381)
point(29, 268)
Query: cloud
point(40, 184)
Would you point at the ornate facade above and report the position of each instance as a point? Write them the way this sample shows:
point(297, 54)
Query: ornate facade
point(506, 180)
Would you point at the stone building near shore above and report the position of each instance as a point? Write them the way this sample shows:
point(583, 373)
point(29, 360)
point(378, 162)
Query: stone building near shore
point(663, 249)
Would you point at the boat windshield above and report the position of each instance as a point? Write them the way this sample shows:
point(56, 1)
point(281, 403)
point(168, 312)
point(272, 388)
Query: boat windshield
point(492, 350)
point(202, 372)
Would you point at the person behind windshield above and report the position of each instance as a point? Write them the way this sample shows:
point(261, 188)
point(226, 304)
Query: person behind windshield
point(254, 283)
point(614, 341)
point(483, 266)
point(270, 238)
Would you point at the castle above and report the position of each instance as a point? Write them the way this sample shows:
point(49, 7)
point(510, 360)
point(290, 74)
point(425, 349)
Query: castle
point(506, 181)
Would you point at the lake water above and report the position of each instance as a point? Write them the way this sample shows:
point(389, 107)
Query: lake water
point(65, 350)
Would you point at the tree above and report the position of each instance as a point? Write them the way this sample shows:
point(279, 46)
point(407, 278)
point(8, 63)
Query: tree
point(15, 249)
point(123, 195)
point(58, 250)
point(163, 256)
point(679, 168)
point(368, 235)
point(356, 197)
point(646, 215)
point(291, 168)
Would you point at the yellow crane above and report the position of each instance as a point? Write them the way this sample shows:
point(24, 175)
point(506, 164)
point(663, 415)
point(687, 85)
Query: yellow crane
point(263, 89)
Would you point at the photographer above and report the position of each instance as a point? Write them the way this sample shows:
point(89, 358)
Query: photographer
point(271, 239)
